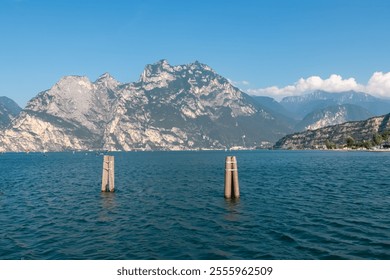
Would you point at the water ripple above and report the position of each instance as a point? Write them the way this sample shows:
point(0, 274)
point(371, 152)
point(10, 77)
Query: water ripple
point(170, 205)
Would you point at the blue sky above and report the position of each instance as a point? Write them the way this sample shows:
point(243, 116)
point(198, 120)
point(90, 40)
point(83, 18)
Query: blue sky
point(263, 46)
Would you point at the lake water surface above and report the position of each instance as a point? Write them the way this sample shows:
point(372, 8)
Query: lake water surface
point(170, 205)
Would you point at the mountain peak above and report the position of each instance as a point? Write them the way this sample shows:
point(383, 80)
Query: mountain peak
point(73, 79)
point(107, 81)
point(162, 62)
point(6, 101)
point(152, 72)
point(200, 66)
point(8, 110)
point(105, 76)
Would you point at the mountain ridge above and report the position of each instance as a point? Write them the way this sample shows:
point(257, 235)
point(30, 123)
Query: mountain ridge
point(169, 108)
point(305, 104)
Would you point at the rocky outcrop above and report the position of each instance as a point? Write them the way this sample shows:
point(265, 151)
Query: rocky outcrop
point(359, 131)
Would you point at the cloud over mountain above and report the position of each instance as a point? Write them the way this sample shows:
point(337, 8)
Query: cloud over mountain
point(378, 85)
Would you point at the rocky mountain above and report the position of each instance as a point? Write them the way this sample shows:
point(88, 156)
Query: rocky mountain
point(8, 110)
point(170, 107)
point(337, 135)
point(333, 115)
point(70, 115)
point(303, 105)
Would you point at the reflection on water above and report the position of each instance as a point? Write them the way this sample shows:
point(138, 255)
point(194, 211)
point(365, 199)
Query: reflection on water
point(232, 209)
point(108, 206)
point(108, 200)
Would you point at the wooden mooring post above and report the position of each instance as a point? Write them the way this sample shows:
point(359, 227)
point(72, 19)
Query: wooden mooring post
point(108, 179)
point(232, 188)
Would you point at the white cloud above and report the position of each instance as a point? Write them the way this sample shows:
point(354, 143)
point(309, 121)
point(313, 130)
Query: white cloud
point(378, 85)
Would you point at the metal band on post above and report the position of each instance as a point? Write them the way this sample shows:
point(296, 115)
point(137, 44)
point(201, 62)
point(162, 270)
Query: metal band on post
point(232, 189)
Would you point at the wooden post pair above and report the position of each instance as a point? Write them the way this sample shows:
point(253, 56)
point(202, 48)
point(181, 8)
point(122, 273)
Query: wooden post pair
point(232, 188)
point(108, 183)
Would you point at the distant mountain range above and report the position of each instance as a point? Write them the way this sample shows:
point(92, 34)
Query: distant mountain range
point(303, 105)
point(319, 109)
point(169, 108)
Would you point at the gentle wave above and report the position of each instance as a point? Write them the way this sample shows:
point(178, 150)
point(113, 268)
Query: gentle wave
point(170, 205)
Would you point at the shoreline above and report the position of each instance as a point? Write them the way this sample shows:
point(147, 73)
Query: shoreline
point(97, 152)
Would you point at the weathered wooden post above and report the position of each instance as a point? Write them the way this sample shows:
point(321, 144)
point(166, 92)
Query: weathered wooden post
point(232, 188)
point(236, 187)
point(111, 177)
point(108, 178)
point(228, 177)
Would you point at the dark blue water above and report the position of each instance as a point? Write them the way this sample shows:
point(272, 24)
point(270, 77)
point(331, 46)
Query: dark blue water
point(170, 205)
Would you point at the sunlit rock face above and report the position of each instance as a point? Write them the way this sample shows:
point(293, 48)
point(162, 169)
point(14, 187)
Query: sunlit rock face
point(169, 108)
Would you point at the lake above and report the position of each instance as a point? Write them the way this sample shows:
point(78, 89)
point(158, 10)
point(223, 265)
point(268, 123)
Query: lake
point(170, 205)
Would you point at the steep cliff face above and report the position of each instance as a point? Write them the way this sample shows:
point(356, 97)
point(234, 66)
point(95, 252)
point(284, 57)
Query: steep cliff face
point(170, 107)
point(337, 134)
